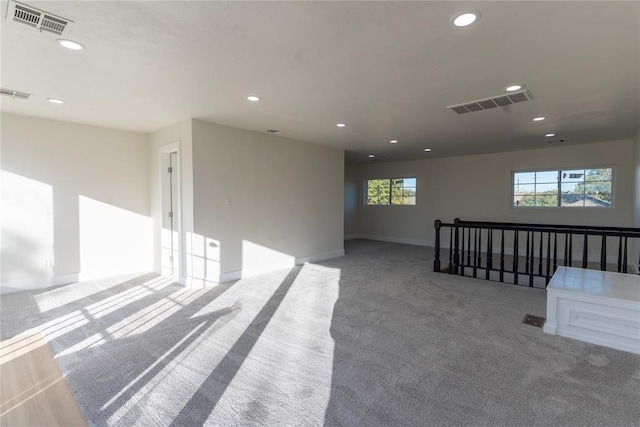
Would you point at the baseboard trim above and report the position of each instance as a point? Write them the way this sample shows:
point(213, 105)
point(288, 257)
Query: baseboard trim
point(243, 274)
point(39, 283)
point(353, 236)
point(320, 257)
point(391, 239)
point(195, 283)
point(232, 275)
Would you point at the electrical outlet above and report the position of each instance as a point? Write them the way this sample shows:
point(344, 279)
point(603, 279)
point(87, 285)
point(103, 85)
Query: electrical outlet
point(227, 202)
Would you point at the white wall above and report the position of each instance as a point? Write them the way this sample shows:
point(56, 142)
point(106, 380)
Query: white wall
point(74, 202)
point(479, 187)
point(262, 202)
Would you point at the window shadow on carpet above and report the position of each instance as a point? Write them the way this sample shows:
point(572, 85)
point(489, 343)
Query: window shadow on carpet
point(203, 402)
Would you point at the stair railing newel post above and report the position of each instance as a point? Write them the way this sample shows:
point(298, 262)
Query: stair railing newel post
point(456, 252)
point(436, 261)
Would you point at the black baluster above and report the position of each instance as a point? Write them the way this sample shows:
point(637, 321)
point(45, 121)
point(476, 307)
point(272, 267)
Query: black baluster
point(489, 252)
point(540, 257)
point(502, 256)
point(515, 257)
point(532, 260)
point(526, 263)
point(566, 249)
point(436, 260)
point(570, 249)
point(620, 253)
point(469, 246)
point(462, 254)
point(585, 251)
point(475, 253)
point(548, 257)
point(480, 248)
point(555, 252)
point(450, 250)
point(456, 253)
point(603, 253)
point(624, 256)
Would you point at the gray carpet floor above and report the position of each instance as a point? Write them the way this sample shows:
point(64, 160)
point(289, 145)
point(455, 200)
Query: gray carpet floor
point(374, 338)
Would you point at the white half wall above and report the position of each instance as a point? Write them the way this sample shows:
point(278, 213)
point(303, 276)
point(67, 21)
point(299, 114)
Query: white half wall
point(479, 188)
point(74, 202)
point(262, 202)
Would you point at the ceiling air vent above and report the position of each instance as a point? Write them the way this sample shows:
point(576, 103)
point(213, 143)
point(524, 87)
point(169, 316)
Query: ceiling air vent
point(14, 93)
point(493, 102)
point(38, 19)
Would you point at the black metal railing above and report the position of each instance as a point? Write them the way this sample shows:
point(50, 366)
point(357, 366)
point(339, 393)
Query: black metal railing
point(529, 254)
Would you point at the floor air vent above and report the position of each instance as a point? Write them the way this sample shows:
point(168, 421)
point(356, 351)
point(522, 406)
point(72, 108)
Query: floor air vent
point(532, 320)
point(494, 102)
point(38, 19)
point(14, 93)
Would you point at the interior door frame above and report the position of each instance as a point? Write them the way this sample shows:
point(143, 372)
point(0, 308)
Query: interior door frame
point(164, 150)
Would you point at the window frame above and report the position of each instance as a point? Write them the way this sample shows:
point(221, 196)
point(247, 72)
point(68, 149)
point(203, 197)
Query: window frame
point(560, 169)
point(391, 179)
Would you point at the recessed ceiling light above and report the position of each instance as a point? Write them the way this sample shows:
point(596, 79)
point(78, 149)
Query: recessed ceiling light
point(342, 125)
point(55, 101)
point(253, 98)
point(538, 119)
point(465, 19)
point(427, 149)
point(70, 44)
point(371, 156)
point(549, 135)
point(513, 88)
point(394, 141)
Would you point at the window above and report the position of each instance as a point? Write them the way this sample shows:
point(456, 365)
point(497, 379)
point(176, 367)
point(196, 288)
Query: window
point(391, 191)
point(563, 188)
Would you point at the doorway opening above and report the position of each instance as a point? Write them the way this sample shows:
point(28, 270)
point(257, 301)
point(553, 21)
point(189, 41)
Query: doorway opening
point(170, 233)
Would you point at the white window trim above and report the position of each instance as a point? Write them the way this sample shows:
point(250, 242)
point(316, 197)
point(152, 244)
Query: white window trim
point(365, 186)
point(547, 169)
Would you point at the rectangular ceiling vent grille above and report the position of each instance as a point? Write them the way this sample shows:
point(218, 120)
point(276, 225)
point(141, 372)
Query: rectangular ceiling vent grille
point(493, 102)
point(14, 93)
point(38, 19)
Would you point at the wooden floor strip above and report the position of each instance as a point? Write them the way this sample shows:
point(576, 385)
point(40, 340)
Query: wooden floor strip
point(32, 389)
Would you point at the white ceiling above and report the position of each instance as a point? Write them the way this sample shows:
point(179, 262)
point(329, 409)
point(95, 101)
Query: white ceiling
point(387, 69)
